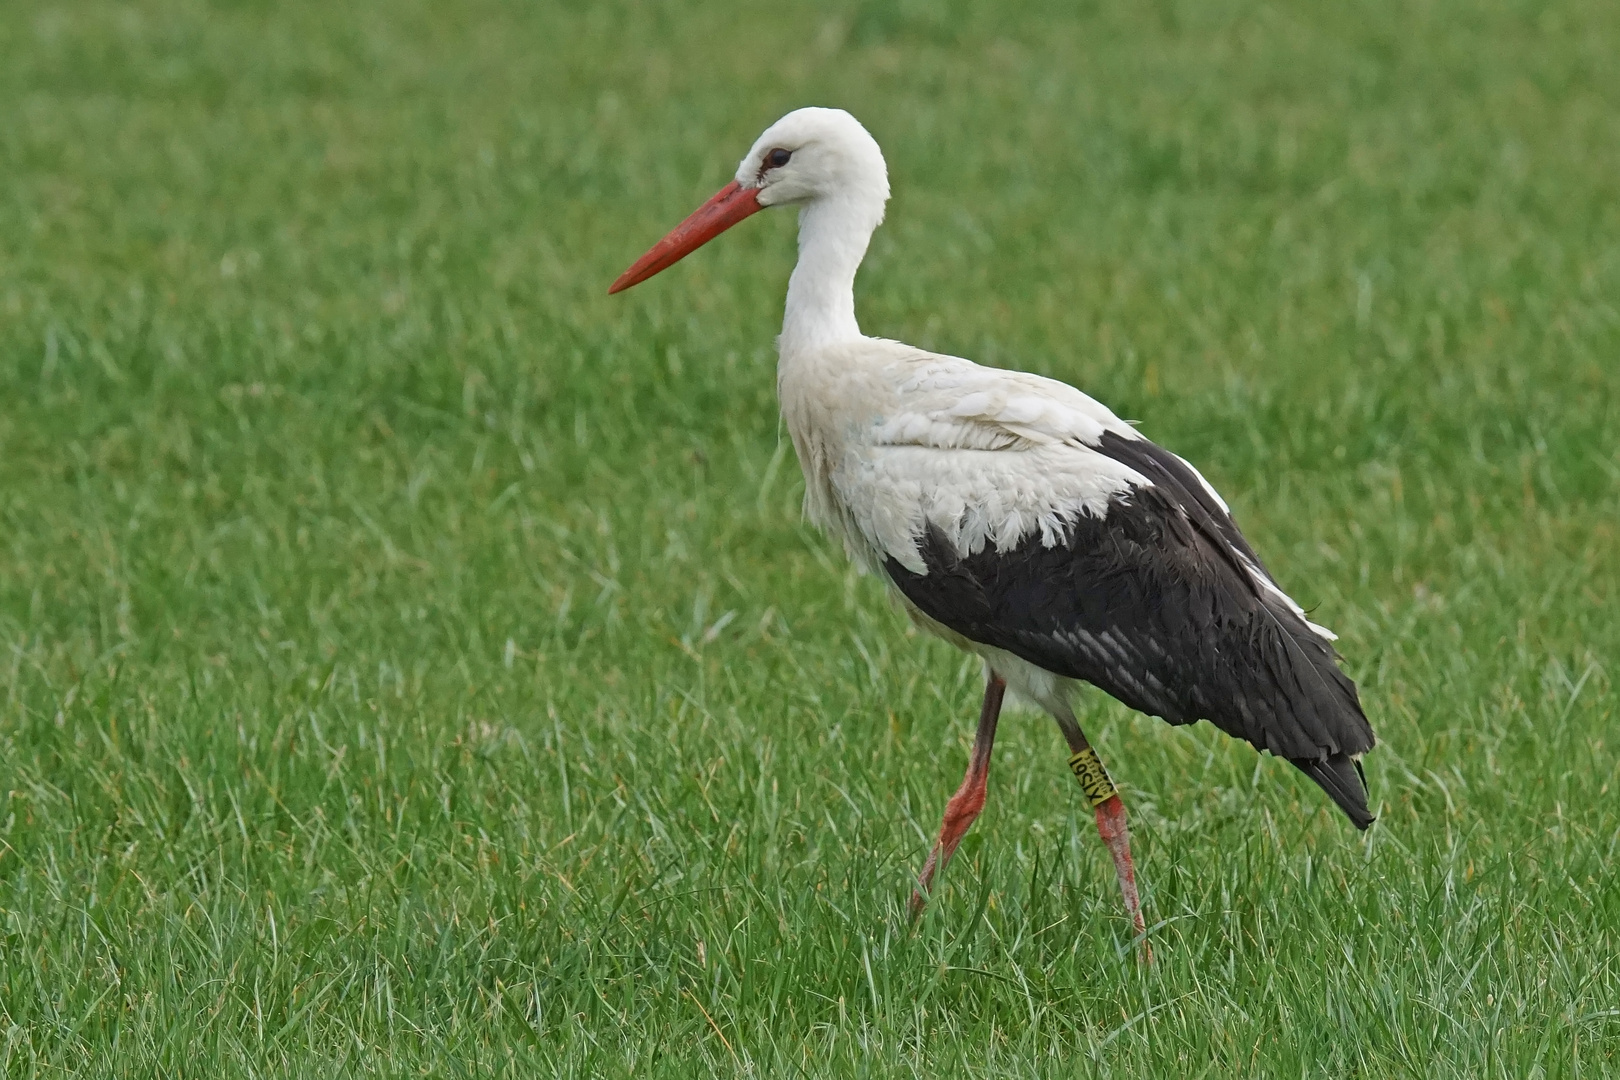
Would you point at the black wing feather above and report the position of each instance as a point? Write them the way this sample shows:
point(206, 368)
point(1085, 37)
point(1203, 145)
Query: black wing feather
point(1154, 604)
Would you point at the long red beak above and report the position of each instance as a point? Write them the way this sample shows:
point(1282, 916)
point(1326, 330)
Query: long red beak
point(729, 205)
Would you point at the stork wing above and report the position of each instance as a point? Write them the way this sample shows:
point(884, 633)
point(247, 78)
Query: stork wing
point(1160, 601)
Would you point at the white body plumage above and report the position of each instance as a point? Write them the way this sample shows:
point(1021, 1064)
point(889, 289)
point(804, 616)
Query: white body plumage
point(1012, 514)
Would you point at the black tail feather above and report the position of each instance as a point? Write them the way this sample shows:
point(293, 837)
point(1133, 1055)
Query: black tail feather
point(1341, 777)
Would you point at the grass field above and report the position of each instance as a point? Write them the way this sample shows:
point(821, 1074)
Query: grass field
point(412, 661)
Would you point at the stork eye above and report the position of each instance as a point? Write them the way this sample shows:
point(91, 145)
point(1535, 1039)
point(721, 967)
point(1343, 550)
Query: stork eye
point(777, 158)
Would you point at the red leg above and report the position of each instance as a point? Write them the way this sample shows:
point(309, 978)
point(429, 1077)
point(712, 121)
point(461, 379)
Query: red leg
point(965, 805)
point(1111, 827)
point(1110, 808)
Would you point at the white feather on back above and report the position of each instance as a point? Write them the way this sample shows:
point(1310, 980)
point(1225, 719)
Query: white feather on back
point(893, 439)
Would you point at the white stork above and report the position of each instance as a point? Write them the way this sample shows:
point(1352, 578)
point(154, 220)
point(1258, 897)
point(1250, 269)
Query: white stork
point(1020, 520)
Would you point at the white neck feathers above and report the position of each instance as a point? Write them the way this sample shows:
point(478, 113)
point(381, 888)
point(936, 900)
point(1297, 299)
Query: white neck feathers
point(833, 235)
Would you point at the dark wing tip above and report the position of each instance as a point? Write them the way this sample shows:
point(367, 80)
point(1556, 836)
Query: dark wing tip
point(1342, 778)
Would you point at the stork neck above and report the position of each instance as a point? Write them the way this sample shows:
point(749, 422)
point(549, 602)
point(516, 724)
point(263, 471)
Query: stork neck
point(833, 235)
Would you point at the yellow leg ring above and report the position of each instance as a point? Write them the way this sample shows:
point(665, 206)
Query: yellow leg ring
point(1088, 769)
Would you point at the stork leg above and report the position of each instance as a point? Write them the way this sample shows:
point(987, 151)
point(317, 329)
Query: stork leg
point(965, 805)
point(1110, 809)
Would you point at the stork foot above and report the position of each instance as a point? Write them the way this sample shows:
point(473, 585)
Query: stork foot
point(960, 813)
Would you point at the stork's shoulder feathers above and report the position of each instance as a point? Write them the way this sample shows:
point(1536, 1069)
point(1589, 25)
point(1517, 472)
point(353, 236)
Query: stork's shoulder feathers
point(947, 401)
point(895, 438)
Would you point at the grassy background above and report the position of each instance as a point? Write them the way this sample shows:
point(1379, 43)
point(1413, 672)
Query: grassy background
point(413, 660)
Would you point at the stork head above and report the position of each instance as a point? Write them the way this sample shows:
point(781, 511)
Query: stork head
point(814, 154)
point(809, 157)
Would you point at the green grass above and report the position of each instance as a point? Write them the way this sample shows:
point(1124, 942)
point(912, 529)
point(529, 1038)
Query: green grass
point(413, 661)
